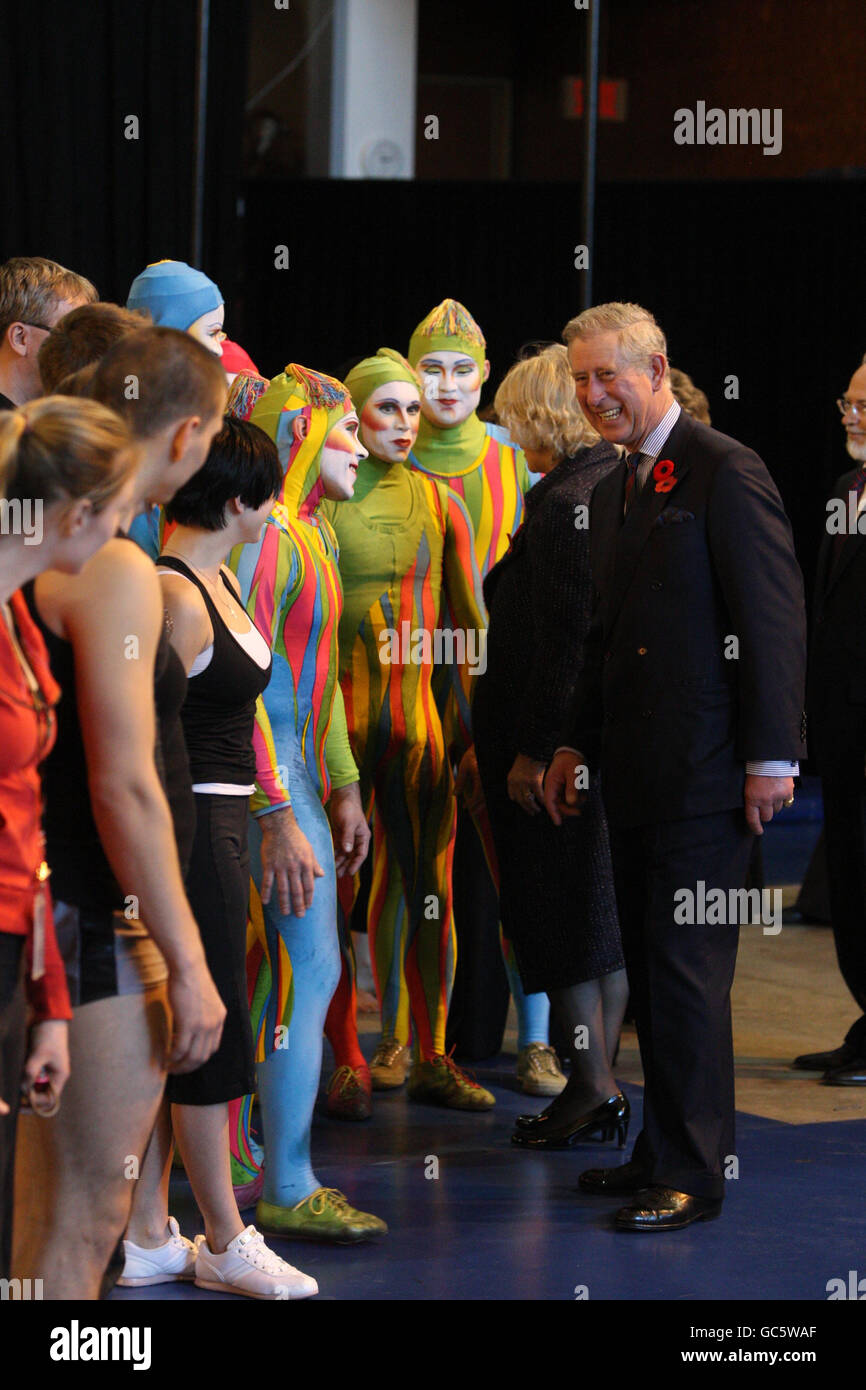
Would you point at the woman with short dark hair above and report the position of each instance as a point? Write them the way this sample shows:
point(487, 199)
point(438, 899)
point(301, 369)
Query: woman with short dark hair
point(228, 665)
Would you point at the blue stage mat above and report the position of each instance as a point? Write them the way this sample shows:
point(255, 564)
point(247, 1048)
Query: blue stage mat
point(502, 1223)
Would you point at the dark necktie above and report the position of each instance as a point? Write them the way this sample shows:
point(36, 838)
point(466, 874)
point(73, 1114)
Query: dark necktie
point(632, 463)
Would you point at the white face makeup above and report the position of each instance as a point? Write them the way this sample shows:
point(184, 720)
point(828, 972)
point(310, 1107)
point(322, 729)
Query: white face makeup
point(450, 387)
point(208, 329)
point(389, 421)
point(341, 454)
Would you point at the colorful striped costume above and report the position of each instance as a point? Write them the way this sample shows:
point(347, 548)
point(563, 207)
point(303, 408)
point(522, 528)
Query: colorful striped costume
point(407, 563)
point(479, 462)
point(291, 587)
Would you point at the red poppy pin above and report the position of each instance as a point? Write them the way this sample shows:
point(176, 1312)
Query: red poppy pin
point(664, 475)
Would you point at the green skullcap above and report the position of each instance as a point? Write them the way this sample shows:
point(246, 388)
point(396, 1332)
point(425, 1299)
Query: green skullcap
point(448, 328)
point(373, 372)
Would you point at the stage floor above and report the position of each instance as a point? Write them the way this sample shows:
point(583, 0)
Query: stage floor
point(500, 1223)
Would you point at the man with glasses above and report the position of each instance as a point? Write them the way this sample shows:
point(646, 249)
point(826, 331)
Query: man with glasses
point(837, 728)
point(34, 296)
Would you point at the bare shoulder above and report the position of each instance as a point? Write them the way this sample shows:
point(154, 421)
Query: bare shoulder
point(180, 594)
point(119, 578)
point(192, 630)
point(231, 579)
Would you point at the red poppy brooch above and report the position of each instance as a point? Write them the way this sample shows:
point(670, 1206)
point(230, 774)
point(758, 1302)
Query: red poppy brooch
point(664, 475)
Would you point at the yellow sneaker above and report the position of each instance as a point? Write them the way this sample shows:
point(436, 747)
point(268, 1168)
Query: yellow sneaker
point(441, 1082)
point(389, 1065)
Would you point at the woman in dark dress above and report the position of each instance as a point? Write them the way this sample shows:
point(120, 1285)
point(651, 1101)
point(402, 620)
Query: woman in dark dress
point(556, 883)
point(228, 665)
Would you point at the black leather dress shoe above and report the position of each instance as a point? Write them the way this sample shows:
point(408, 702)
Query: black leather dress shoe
point(614, 1182)
point(852, 1073)
point(608, 1120)
point(664, 1209)
point(825, 1061)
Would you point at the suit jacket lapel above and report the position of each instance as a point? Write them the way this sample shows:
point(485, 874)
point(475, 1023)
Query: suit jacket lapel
point(608, 500)
point(635, 529)
point(831, 569)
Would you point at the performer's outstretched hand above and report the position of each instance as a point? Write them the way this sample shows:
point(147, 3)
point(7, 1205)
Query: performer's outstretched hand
point(562, 785)
point(349, 828)
point(288, 857)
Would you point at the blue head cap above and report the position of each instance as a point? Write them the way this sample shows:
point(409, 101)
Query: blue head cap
point(174, 293)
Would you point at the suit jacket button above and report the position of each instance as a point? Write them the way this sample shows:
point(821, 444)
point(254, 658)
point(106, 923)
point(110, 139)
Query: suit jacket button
point(656, 584)
point(641, 651)
point(647, 713)
point(607, 656)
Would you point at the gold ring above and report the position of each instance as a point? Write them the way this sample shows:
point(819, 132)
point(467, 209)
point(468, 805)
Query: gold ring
point(789, 802)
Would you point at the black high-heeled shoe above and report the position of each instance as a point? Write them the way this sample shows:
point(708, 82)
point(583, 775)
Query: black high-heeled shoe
point(609, 1120)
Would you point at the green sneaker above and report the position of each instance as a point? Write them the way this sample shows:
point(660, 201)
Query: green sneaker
point(324, 1215)
point(441, 1082)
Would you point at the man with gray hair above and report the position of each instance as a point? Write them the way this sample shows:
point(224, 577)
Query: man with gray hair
point(691, 700)
point(837, 728)
point(35, 294)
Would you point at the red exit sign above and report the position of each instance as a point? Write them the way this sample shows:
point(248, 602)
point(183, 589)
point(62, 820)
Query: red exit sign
point(612, 96)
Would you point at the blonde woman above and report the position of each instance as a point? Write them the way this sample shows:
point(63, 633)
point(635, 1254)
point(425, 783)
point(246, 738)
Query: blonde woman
point(556, 895)
point(65, 480)
point(119, 823)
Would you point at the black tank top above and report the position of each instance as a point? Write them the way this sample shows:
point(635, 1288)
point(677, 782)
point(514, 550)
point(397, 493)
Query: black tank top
point(219, 711)
point(80, 872)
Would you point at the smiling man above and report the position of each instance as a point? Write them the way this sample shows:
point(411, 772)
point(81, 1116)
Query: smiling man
point(691, 699)
point(837, 730)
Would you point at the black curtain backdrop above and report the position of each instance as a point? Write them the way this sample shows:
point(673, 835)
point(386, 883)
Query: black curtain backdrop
point(763, 282)
point(74, 187)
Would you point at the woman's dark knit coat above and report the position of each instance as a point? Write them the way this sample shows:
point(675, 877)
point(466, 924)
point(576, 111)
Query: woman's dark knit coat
point(556, 883)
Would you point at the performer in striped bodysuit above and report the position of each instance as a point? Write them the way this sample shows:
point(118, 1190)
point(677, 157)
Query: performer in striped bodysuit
point(291, 586)
point(408, 570)
point(480, 463)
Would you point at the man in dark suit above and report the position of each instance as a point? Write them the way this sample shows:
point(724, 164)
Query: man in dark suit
point(691, 699)
point(837, 728)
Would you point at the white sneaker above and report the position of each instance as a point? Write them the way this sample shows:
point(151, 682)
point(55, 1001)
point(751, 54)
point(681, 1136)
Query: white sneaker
point(250, 1268)
point(173, 1260)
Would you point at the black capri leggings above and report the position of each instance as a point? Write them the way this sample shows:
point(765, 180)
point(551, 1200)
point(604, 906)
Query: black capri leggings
point(218, 888)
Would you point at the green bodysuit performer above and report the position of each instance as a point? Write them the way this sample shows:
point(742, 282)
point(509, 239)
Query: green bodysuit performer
point(481, 464)
point(406, 555)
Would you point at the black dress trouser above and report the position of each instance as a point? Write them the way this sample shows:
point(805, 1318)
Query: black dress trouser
point(845, 840)
point(680, 975)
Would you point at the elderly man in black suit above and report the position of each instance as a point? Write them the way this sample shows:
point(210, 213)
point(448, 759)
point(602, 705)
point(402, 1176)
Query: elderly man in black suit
point(691, 700)
point(836, 703)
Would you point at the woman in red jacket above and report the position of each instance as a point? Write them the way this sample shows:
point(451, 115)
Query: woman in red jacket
point(65, 477)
